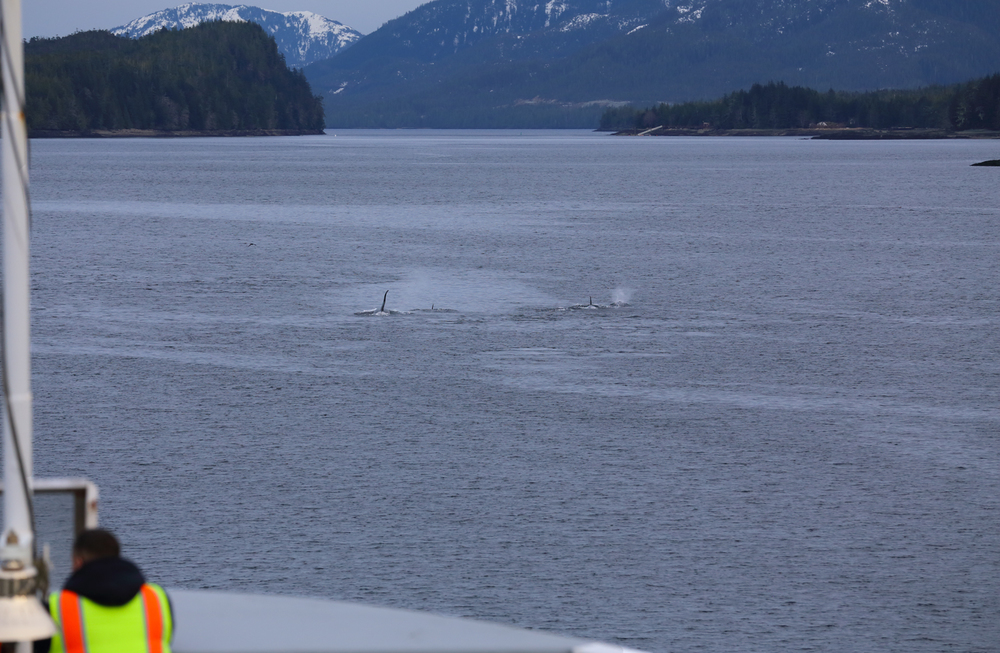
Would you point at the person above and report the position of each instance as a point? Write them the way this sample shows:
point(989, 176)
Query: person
point(106, 605)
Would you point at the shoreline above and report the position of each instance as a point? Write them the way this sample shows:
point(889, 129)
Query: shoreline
point(168, 133)
point(845, 134)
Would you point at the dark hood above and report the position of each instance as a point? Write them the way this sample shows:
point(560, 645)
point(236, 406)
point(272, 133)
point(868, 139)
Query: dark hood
point(107, 581)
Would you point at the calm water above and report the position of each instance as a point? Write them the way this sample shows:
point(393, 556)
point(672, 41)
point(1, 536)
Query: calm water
point(777, 431)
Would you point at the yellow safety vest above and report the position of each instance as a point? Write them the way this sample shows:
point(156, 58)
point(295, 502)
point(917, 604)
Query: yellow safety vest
point(143, 625)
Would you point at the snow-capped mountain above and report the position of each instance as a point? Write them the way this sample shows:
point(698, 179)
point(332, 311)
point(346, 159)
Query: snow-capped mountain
point(444, 27)
point(302, 36)
point(459, 62)
point(527, 28)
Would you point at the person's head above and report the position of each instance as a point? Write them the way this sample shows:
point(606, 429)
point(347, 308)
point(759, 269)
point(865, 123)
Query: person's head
point(94, 544)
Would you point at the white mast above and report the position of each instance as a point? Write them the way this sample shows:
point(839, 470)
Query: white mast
point(22, 617)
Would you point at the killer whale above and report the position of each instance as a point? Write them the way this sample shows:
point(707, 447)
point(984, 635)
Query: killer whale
point(382, 310)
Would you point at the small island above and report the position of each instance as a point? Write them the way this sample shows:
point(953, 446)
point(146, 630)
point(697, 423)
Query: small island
point(969, 110)
point(214, 79)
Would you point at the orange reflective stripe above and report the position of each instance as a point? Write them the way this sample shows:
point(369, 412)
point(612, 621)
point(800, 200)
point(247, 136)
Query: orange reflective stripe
point(154, 619)
point(72, 623)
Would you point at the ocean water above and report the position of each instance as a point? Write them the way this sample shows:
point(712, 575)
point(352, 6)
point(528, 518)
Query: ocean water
point(680, 394)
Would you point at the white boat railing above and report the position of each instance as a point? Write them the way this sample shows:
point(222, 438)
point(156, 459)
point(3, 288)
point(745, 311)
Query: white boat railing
point(84, 495)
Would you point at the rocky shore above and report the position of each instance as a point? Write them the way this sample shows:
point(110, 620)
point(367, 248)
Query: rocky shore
point(835, 134)
point(165, 133)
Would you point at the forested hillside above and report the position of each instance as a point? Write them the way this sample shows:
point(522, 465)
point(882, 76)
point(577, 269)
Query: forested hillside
point(973, 105)
point(215, 77)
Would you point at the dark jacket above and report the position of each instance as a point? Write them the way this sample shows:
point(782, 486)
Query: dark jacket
point(108, 581)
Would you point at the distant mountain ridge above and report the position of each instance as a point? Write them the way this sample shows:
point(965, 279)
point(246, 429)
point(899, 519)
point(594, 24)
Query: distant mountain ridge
point(302, 36)
point(520, 63)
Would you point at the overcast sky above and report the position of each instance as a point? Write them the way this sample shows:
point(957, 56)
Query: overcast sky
point(62, 17)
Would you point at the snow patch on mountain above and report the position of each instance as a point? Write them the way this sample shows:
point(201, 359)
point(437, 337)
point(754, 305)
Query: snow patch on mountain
point(581, 21)
point(302, 36)
point(689, 14)
point(553, 9)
